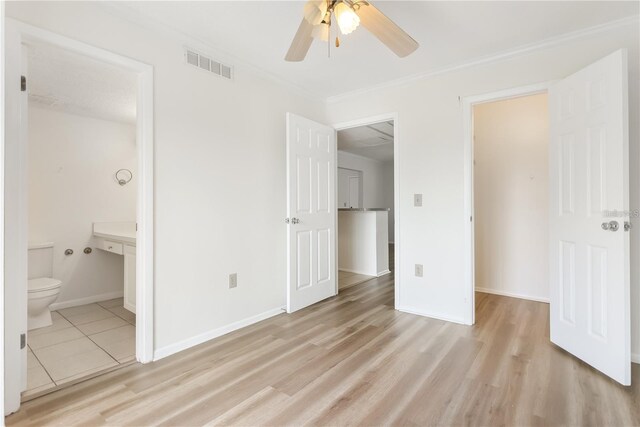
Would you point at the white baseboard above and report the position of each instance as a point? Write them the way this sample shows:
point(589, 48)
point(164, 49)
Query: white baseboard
point(635, 357)
point(364, 273)
point(511, 294)
point(439, 316)
point(384, 273)
point(86, 300)
point(206, 336)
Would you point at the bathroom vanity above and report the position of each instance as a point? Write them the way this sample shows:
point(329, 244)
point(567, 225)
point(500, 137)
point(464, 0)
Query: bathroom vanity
point(120, 238)
point(363, 241)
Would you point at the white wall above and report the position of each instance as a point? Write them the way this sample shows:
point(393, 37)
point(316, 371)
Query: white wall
point(208, 134)
point(431, 161)
point(511, 197)
point(71, 162)
point(377, 182)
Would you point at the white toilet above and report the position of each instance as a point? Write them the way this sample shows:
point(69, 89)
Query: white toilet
point(43, 290)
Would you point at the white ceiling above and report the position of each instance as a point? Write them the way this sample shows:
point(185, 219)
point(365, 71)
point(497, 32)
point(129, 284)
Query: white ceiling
point(449, 33)
point(372, 141)
point(66, 81)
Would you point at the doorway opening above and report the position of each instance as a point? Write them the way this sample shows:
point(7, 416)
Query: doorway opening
point(365, 180)
point(511, 197)
point(81, 198)
point(79, 213)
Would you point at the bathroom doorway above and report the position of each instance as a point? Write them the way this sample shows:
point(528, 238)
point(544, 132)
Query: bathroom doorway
point(79, 245)
point(81, 139)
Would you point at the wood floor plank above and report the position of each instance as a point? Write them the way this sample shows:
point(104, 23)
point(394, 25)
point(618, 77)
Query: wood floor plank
point(354, 360)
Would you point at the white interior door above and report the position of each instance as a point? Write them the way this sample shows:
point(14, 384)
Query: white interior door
point(589, 264)
point(354, 191)
point(311, 212)
point(15, 217)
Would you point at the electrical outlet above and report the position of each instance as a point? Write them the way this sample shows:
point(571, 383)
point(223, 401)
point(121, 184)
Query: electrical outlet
point(233, 280)
point(417, 200)
point(418, 270)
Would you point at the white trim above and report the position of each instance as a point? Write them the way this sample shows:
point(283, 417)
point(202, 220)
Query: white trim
point(86, 300)
point(145, 199)
point(207, 336)
point(2, 129)
point(635, 357)
point(432, 315)
point(511, 294)
point(468, 225)
point(396, 188)
point(384, 273)
point(496, 57)
point(347, 270)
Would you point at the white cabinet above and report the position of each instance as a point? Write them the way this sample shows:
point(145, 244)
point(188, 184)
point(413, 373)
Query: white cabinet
point(130, 278)
point(363, 241)
point(120, 238)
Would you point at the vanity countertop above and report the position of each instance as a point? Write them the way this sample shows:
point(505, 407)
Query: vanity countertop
point(123, 231)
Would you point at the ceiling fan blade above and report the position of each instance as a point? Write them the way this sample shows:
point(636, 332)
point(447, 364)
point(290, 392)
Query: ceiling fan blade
point(386, 30)
point(301, 42)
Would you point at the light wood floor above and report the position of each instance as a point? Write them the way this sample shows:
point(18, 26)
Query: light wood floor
point(353, 360)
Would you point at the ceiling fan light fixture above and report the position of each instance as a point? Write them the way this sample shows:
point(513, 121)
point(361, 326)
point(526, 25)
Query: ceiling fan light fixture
point(321, 31)
point(315, 11)
point(346, 17)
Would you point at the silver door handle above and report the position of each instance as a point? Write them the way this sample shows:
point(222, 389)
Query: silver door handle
point(627, 226)
point(610, 226)
point(286, 221)
point(295, 221)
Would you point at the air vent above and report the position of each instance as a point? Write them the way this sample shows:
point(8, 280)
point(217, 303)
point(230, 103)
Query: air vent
point(207, 64)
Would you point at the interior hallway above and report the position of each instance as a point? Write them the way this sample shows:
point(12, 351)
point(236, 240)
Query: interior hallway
point(353, 359)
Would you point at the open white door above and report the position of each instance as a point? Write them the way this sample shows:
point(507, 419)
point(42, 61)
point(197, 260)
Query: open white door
point(311, 212)
point(589, 265)
point(15, 215)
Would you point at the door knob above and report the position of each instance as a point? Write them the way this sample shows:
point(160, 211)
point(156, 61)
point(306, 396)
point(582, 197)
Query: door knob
point(610, 226)
point(295, 221)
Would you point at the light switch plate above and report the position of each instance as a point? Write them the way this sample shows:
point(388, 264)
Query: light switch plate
point(417, 200)
point(419, 270)
point(233, 280)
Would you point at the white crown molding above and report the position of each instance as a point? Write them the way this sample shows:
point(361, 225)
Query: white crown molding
point(496, 57)
point(122, 11)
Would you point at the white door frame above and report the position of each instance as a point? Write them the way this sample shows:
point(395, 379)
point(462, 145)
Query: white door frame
point(469, 224)
point(396, 191)
point(2, 129)
point(145, 153)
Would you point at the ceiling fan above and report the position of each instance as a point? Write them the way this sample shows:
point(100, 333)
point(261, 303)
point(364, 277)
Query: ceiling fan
point(348, 14)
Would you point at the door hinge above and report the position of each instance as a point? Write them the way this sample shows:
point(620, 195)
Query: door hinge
point(470, 219)
point(23, 341)
point(23, 84)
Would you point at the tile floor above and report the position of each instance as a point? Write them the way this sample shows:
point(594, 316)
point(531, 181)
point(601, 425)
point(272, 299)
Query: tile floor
point(346, 279)
point(83, 340)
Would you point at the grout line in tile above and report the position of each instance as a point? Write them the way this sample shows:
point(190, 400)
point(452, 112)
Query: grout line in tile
point(98, 345)
point(45, 369)
point(90, 375)
point(117, 315)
